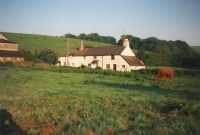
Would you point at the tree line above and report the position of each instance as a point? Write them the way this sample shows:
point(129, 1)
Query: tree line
point(93, 37)
point(156, 52)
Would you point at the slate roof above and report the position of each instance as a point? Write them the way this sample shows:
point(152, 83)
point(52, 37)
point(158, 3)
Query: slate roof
point(5, 53)
point(132, 60)
point(96, 51)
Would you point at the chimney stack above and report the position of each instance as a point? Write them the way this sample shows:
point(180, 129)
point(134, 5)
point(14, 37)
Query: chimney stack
point(126, 43)
point(81, 48)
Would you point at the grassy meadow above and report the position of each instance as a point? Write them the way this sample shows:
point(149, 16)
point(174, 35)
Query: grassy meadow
point(196, 48)
point(31, 42)
point(60, 100)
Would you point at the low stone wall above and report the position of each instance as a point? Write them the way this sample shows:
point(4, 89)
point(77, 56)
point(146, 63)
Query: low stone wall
point(11, 59)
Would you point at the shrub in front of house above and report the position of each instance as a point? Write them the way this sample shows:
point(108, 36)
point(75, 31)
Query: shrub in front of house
point(49, 56)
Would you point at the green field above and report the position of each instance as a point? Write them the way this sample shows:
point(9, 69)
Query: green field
point(66, 101)
point(196, 48)
point(32, 42)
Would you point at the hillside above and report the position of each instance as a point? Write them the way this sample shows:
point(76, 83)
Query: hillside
point(32, 42)
point(196, 48)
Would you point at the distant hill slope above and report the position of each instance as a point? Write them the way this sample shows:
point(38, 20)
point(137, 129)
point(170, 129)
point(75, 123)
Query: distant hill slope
point(31, 42)
point(196, 48)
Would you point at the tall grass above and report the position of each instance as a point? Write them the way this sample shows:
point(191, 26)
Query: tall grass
point(73, 101)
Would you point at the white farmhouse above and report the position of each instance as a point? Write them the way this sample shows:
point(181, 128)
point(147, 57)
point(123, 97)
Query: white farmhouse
point(120, 58)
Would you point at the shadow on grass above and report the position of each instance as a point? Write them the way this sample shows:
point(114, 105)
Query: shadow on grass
point(7, 125)
point(149, 89)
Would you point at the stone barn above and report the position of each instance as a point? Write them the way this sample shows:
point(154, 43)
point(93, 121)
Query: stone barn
point(9, 51)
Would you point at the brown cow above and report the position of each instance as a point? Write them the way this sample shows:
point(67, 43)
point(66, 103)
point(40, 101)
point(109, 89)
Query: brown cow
point(163, 73)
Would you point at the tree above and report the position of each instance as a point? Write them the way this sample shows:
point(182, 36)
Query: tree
point(28, 55)
point(70, 35)
point(141, 54)
point(162, 55)
point(134, 42)
point(82, 36)
point(107, 39)
point(98, 38)
point(49, 56)
point(93, 36)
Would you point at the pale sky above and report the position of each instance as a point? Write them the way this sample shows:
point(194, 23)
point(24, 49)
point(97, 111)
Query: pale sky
point(165, 19)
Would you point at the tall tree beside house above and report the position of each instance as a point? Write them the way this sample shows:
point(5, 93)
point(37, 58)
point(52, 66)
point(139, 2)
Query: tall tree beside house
point(49, 56)
point(162, 55)
point(151, 44)
point(141, 54)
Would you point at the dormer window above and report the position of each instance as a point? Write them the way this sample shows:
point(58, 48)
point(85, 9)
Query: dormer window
point(112, 57)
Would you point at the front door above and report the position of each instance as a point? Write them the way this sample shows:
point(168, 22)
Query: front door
point(114, 66)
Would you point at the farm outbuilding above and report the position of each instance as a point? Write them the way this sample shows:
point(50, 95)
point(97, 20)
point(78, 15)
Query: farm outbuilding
point(9, 51)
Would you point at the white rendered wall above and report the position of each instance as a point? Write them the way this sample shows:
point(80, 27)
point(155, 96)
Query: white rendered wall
point(77, 61)
point(127, 52)
point(119, 61)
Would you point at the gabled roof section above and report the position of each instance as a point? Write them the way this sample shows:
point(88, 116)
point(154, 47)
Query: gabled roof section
point(132, 60)
point(5, 40)
point(72, 52)
point(5, 53)
point(96, 51)
point(2, 37)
